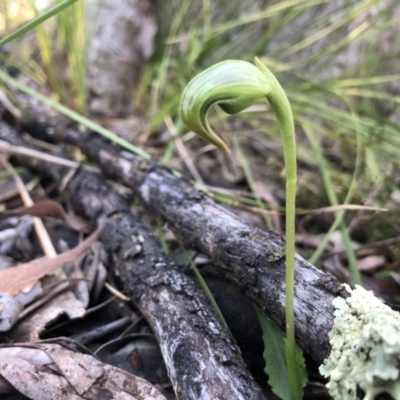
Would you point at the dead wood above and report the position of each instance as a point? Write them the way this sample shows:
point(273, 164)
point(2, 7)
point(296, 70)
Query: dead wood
point(251, 257)
point(201, 358)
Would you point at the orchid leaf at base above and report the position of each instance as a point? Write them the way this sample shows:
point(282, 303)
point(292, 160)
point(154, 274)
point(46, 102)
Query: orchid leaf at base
point(281, 379)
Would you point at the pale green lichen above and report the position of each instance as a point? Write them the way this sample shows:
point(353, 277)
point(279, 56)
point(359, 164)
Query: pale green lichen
point(365, 354)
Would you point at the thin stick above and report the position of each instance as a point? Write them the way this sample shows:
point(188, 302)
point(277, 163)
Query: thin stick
point(182, 150)
point(24, 151)
point(40, 229)
point(322, 210)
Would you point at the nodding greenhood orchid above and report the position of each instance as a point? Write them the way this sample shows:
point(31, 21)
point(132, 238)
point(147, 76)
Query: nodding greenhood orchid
point(234, 85)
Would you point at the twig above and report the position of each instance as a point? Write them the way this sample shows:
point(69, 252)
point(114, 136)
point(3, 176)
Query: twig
point(182, 150)
point(116, 292)
point(40, 229)
point(25, 151)
point(381, 243)
point(322, 210)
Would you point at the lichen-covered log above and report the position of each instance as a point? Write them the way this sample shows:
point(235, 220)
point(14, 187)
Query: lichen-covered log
point(202, 360)
point(251, 257)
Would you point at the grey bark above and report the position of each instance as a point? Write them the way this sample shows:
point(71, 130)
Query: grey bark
point(202, 360)
point(122, 38)
point(252, 258)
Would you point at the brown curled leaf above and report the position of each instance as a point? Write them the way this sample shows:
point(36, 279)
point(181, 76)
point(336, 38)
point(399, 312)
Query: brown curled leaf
point(50, 208)
point(51, 372)
point(23, 277)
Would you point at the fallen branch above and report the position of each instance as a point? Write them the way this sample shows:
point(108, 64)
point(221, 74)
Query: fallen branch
point(251, 257)
point(201, 358)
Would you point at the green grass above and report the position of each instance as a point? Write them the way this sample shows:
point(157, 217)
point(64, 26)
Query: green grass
point(60, 34)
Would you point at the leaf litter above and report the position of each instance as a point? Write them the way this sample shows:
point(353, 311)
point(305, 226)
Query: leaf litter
point(25, 276)
point(50, 372)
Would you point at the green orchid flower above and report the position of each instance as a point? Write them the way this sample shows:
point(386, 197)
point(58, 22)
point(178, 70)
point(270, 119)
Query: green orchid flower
point(234, 85)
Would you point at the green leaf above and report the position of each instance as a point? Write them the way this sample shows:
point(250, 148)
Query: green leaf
point(296, 370)
point(276, 348)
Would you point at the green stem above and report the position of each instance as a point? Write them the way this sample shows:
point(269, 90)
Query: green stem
point(283, 113)
point(204, 286)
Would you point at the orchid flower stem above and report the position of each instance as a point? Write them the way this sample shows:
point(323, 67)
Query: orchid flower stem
point(283, 112)
point(234, 86)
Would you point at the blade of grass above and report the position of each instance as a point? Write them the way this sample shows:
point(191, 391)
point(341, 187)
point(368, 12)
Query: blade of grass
point(333, 200)
point(269, 12)
point(36, 21)
point(204, 286)
point(161, 236)
point(29, 68)
point(74, 115)
point(249, 178)
point(326, 30)
point(44, 38)
point(72, 34)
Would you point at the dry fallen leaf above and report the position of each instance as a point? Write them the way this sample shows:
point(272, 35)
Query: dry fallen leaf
point(8, 189)
point(51, 372)
point(24, 277)
point(371, 262)
point(10, 309)
point(50, 208)
point(30, 327)
point(266, 194)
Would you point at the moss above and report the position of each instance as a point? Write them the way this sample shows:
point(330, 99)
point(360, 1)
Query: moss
point(365, 353)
